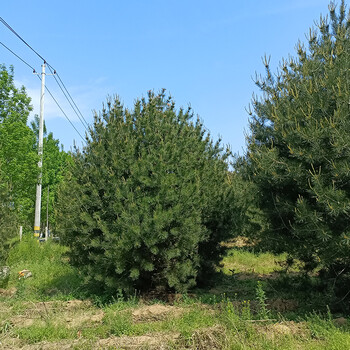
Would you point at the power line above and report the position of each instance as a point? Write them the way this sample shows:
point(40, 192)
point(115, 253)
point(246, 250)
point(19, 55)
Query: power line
point(58, 105)
point(72, 99)
point(26, 63)
point(18, 56)
point(19, 37)
point(61, 86)
point(65, 92)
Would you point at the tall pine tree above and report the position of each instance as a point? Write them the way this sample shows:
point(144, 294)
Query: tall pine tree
point(143, 205)
point(298, 154)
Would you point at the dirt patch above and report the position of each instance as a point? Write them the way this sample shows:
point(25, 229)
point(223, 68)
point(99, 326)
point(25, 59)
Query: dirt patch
point(283, 305)
point(239, 242)
point(340, 322)
point(61, 345)
point(11, 343)
point(72, 320)
point(77, 304)
point(165, 296)
point(211, 338)
point(73, 313)
point(8, 292)
point(148, 341)
point(23, 321)
point(5, 309)
point(156, 312)
point(47, 307)
point(84, 318)
point(289, 328)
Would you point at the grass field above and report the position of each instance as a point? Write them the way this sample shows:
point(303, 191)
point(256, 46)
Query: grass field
point(253, 305)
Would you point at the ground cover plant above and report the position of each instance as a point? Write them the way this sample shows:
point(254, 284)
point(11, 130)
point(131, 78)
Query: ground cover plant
point(44, 312)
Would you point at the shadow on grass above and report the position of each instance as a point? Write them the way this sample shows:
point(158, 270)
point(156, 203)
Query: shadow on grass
point(68, 284)
point(287, 293)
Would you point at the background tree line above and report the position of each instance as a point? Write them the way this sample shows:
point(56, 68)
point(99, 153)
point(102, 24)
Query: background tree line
point(19, 159)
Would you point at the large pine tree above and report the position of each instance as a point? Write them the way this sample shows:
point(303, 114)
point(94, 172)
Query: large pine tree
point(298, 153)
point(144, 203)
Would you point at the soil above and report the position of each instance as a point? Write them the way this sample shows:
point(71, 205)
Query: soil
point(8, 292)
point(284, 328)
point(152, 341)
point(157, 341)
point(209, 338)
point(156, 312)
point(283, 305)
point(73, 312)
point(84, 318)
point(238, 242)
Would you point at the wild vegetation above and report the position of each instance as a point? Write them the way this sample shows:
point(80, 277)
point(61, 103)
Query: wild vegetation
point(18, 154)
point(168, 242)
point(246, 309)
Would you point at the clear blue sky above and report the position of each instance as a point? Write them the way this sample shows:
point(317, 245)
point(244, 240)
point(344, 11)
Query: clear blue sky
point(204, 53)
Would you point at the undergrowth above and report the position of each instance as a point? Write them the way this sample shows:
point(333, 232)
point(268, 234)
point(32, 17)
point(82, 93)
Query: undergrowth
point(52, 276)
point(236, 314)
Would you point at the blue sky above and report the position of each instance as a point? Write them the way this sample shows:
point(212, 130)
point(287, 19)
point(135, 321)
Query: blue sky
point(204, 53)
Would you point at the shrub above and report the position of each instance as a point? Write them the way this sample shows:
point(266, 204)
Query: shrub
point(145, 201)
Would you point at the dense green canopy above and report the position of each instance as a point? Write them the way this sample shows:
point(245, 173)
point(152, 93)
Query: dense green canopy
point(19, 154)
point(144, 205)
point(298, 156)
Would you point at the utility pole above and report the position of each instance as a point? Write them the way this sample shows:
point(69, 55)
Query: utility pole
point(40, 153)
point(47, 214)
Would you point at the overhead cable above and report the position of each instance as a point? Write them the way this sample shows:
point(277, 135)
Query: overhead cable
point(53, 71)
point(19, 37)
point(58, 105)
point(66, 94)
point(20, 58)
point(7, 48)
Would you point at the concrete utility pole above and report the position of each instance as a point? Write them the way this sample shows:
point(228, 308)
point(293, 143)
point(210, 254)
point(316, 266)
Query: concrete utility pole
point(47, 214)
point(40, 153)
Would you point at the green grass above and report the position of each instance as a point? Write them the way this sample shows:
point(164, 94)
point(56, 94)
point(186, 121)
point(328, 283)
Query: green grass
point(48, 332)
point(232, 315)
point(52, 276)
point(243, 261)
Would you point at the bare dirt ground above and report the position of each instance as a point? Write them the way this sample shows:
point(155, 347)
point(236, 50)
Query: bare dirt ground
point(76, 315)
point(155, 312)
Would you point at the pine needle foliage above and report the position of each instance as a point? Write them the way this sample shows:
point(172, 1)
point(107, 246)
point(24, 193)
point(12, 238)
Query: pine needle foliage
point(298, 153)
point(144, 202)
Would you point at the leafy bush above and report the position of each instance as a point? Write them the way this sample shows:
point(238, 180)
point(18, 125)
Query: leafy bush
point(8, 220)
point(146, 202)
